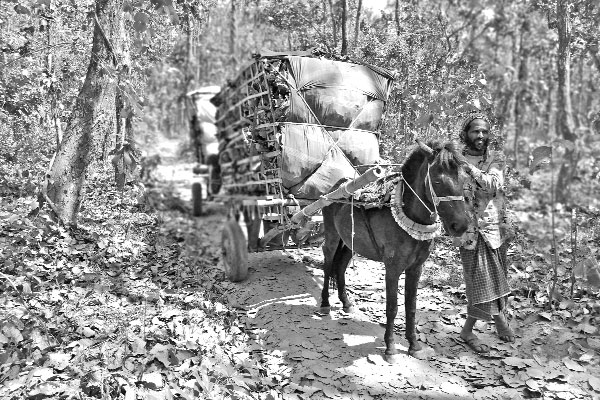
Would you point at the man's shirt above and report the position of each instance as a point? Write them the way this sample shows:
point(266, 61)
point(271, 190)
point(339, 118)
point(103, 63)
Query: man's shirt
point(485, 200)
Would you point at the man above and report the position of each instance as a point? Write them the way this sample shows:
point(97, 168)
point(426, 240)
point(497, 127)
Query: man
point(483, 246)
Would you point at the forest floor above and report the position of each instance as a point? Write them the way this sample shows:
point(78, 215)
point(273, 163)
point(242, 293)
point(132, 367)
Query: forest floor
point(133, 304)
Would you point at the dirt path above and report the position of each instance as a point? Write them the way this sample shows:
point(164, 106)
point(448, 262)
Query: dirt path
point(340, 355)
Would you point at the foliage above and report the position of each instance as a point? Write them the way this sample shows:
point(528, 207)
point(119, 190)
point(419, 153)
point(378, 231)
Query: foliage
point(127, 303)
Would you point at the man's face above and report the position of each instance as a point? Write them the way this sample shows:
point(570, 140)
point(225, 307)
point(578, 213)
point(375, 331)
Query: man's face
point(478, 135)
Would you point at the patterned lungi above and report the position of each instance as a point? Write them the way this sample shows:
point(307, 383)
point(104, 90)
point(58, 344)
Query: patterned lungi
point(485, 275)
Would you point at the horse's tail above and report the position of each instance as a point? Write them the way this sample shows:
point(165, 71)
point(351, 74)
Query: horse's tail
point(331, 268)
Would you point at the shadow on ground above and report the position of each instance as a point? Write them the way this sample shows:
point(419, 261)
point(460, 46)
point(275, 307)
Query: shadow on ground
point(337, 355)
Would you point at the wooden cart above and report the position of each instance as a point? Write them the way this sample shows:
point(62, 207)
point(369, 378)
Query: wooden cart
point(291, 128)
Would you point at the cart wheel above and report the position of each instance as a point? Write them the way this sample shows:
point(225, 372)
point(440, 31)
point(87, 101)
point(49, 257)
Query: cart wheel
point(196, 199)
point(235, 251)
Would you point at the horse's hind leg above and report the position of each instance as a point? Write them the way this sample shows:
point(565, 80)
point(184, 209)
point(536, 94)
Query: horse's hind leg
point(330, 248)
point(334, 266)
point(336, 257)
point(341, 260)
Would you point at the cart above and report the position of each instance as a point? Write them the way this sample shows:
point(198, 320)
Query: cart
point(203, 136)
point(292, 127)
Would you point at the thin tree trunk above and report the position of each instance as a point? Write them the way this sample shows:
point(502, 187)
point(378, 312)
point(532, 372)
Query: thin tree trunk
point(595, 57)
point(577, 116)
point(54, 118)
point(522, 76)
point(344, 49)
point(397, 16)
point(549, 124)
point(92, 118)
point(124, 115)
point(357, 22)
point(565, 124)
point(333, 23)
point(233, 35)
point(189, 78)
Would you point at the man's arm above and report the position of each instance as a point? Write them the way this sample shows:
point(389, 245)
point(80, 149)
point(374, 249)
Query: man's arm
point(491, 180)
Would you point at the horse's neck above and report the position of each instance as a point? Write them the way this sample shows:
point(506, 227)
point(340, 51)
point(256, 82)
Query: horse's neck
point(413, 208)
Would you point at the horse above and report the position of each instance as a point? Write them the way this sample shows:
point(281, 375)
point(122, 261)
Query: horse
point(429, 186)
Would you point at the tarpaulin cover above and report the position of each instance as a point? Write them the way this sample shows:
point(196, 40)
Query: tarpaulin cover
point(335, 93)
point(314, 161)
point(334, 109)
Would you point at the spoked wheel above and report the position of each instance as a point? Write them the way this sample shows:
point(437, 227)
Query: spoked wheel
point(235, 251)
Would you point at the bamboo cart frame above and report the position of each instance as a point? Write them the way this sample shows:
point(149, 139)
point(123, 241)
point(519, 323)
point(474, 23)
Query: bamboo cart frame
point(261, 216)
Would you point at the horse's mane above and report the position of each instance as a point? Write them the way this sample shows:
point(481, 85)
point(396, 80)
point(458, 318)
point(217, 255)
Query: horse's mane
point(447, 154)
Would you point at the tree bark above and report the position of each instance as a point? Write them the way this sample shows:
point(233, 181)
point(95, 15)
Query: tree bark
point(397, 16)
point(333, 23)
point(357, 22)
point(344, 49)
point(93, 117)
point(233, 35)
point(522, 77)
point(121, 108)
point(564, 123)
point(51, 61)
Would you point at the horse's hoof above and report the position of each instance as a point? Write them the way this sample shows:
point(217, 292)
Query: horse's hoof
point(325, 310)
point(392, 358)
point(423, 353)
point(348, 310)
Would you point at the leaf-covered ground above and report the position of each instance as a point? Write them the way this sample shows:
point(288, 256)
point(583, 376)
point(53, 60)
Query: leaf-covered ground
point(133, 305)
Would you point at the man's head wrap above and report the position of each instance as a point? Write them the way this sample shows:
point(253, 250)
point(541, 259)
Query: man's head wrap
point(473, 115)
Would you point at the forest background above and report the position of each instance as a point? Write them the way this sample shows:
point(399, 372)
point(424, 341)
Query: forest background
point(86, 85)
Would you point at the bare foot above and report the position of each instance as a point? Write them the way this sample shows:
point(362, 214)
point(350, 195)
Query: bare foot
point(474, 343)
point(502, 329)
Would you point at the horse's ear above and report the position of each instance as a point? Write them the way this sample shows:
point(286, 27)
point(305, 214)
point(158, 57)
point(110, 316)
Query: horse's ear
point(424, 147)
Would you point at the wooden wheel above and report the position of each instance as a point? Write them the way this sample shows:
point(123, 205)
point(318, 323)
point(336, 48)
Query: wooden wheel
point(235, 251)
point(196, 199)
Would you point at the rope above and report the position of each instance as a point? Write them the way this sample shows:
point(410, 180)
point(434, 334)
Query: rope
point(352, 217)
point(417, 196)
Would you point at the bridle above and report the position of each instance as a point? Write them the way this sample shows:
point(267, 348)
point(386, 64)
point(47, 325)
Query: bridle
point(435, 199)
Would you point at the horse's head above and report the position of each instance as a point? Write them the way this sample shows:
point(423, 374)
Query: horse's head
point(441, 168)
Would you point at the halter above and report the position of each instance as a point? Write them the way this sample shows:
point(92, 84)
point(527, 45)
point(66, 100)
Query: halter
point(434, 197)
point(414, 229)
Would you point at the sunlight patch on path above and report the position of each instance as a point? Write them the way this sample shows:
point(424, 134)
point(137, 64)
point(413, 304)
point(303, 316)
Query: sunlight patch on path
point(330, 356)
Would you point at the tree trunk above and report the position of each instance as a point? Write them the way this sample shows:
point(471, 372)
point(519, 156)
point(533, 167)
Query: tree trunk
point(564, 123)
point(51, 61)
point(595, 57)
point(344, 49)
point(333, 23)
point(357, 22)
point(522, 76)
point(397, 16)
point(93, 117)
point(124, 114)
point(233, 35)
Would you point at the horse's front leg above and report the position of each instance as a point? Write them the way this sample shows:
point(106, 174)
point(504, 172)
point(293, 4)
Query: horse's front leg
point(415, 348)
point(391, 309)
